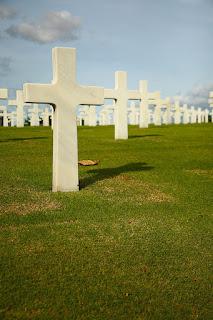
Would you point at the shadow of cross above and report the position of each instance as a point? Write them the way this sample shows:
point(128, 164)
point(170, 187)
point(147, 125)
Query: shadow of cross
point(64, 94)
point(107, 173)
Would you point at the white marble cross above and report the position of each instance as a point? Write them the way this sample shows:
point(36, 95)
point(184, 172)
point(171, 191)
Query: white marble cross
point(206, 115)
point(146, 98)
point(19, 103)
point(199, 115)
point(144, 104)
point(158, 102)
point(12, 117)
point(34, 115)
point(65, 94)
point(177, 113)
point(121, 95)
point(47, 114)
point(92, 116)
point(185, 114)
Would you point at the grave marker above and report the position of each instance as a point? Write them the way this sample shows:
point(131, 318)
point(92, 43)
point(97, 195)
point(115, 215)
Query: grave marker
point(121, 95)
point(65, 94)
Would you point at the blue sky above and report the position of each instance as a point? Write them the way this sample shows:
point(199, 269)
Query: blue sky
point(167, 42)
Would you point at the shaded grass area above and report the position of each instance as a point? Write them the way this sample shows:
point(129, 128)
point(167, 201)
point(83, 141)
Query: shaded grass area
point(134, 243)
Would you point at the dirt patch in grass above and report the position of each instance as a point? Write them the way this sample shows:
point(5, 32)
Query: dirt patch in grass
point(201, 172)
point(36, 202)
point(129, 189)
point(27, 208)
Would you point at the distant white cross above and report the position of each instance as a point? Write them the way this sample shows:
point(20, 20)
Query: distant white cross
point(121, 95)
point(65, 94)
point(19, 103)
point(146, 98)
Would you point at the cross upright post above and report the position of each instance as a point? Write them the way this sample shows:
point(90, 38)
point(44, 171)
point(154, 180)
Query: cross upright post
point(121, 95)
point(144, 104)
point(146, 98)
point(64, 94)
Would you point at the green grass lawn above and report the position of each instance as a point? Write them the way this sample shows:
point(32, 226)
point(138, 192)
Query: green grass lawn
point(134, 243)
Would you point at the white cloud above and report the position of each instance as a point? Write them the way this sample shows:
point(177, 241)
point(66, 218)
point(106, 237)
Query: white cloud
point(6, 12)
point(5, 65)
point(198, 95)
point(54, 26)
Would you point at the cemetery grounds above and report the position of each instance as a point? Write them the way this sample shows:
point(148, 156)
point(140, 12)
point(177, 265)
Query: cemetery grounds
point(134, 243)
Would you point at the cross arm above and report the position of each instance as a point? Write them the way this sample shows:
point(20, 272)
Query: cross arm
point(12, 102)
point(134, 95)
point(154, 95)
point(110, 94)
point(38, 93)
point(91, 95)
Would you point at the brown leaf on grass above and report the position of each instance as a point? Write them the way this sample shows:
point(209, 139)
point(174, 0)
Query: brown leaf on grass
point(88, 162)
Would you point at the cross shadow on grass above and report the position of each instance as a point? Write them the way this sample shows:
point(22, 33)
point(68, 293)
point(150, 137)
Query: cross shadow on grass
point(102, 174)
point(145, 135)
point(22, 139)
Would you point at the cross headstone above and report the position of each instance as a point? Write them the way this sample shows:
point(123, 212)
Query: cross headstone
point(34, 115)
point(206, 115)
point(92, 116)
point(167, 111)
point(133, 113)
point(19, 103)
point(146, 98)
point(121, 95)
point(185, 114)
point(144, 105)
point(193, 115)
point(199, 115)
point(12, 117)
point(177, 113)
point(46, 116)
point(158, 102)
point(65, 94)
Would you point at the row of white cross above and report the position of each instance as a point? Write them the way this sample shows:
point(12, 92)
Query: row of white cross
point(32, 115)
point(88, 115)
point(65, 94)
point(175, 114)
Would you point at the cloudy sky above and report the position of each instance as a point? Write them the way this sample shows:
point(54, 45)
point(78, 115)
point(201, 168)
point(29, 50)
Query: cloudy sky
point(167, 42)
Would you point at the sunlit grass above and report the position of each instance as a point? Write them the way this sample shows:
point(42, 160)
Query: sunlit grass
point(134, 243)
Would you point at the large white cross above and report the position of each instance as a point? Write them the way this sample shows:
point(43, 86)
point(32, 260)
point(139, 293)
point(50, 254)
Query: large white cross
point(121, 95)
point(65, 94)
point(19, 103)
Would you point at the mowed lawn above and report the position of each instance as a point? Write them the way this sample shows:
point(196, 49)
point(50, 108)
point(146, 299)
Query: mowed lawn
point(134, 243)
